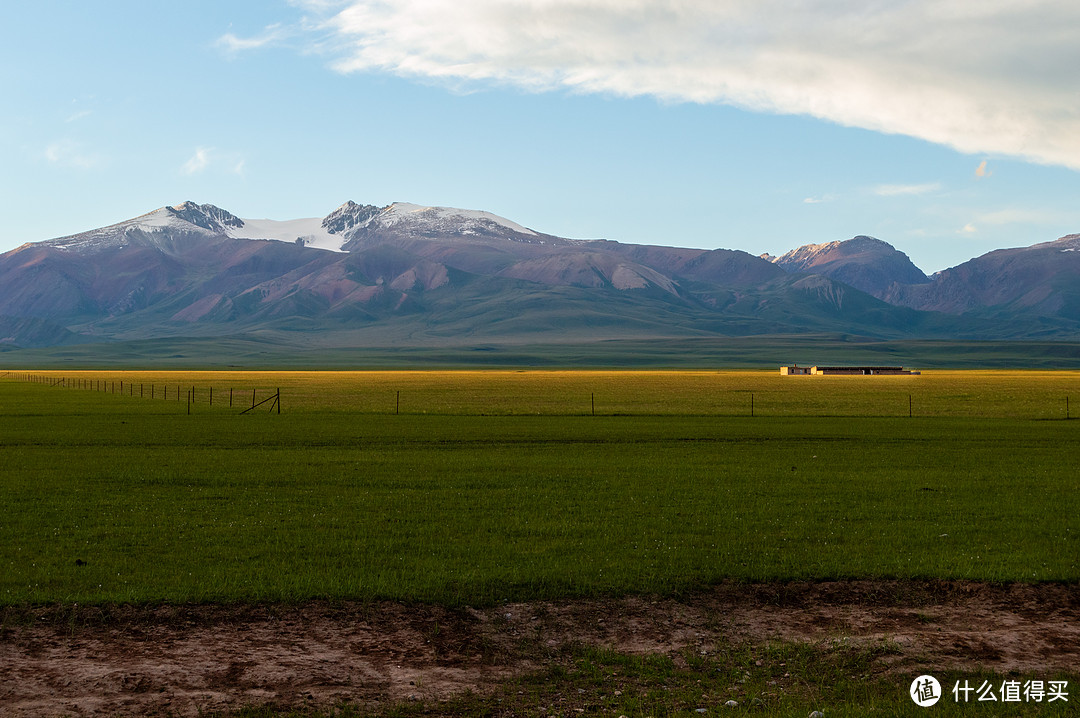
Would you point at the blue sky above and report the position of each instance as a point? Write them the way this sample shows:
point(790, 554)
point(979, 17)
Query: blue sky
point(945, 128)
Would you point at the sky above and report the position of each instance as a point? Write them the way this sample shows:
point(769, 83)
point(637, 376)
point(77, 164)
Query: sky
point(947, 128)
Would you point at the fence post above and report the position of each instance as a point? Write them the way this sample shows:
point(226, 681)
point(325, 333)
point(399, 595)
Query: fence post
point(909, 406)
point(397, 404)
point(278, 402)
point(592, 402)
point(211, 396)
point(252, 398)
point(751, 404)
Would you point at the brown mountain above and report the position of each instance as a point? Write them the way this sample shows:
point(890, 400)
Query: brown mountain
point(424, 275)
point(863, 262)
point(1041, 280)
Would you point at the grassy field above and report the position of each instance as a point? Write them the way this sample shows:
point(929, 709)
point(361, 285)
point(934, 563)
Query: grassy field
point(475, 488)
point(487, 486)
point(994, 394)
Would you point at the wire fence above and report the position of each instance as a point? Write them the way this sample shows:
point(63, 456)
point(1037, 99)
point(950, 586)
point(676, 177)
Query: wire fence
point(1021, 396)
point(190, 396)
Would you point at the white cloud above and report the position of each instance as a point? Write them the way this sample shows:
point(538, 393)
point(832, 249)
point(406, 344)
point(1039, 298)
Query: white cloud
point(894, 190)
point(1015, 215)
point(271, 35)
point(68, 153)
point(198, 162)
point(319, 5)
point(995, 76)
point(209, 157)
point(1020, 216)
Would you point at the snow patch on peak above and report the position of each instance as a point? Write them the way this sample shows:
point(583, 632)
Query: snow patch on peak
point(160, 217)
point(186, 216)
point(206, 216)
point(332, 232)
point(808, 253)
point(805, 253)
point(1072, 240)
point(1067, 243)
point(349, 216)
point(307, 232)
point(463, 221)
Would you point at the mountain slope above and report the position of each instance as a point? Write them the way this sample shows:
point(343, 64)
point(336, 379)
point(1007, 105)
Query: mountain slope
point(863, 262)
point(419, 275)
point(28, 332)
point(1040, 280)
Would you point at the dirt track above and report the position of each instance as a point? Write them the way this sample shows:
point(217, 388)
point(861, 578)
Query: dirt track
point(183, 659)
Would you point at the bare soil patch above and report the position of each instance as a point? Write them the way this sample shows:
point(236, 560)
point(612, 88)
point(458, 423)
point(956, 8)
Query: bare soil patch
point(180, 660)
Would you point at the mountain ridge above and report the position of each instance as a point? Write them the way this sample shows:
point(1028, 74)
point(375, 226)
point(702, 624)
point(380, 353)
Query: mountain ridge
point(864, 262)
point(413, 270)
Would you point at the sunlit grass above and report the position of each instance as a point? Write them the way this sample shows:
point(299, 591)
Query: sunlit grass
point(992, 394)
point(110, 498)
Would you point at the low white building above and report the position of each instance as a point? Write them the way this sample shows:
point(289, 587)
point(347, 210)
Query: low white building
point(795, 369)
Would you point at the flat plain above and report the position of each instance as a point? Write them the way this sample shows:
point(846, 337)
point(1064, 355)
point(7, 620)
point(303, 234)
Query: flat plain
point(470, 490)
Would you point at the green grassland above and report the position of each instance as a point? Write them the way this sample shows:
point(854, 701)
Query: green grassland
point(477, 487)
point(473, 488)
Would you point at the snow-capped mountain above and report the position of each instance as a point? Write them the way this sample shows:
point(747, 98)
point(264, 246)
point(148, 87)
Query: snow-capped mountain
point(186, 217)
point(427, 271)
point(433, 273)
point(441, 220)
point(348, 216)
point(347, 223)
point(354, 223)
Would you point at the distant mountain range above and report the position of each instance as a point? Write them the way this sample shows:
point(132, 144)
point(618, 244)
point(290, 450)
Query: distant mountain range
point(421, 276)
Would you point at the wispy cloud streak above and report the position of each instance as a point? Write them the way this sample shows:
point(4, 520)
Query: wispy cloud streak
point(234, 44)
point(68, 153)
point(198, 162)
point(895, 190)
